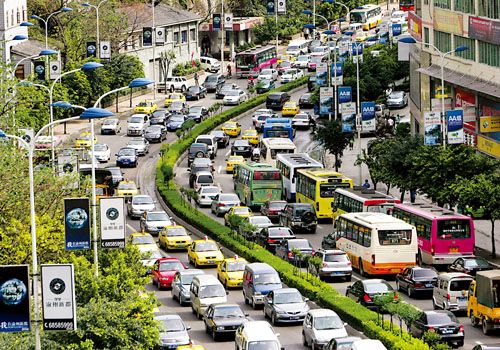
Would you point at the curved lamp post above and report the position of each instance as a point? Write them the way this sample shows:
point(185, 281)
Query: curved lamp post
point(333, 2)
point(97, 15)
point(46, 22)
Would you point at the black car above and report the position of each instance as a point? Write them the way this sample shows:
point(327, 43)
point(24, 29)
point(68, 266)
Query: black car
point(223, 319)
point(195, 92)
point(271, 237)
point(365, 291)
point(213, 82)
point(276, 100)
point(299, 216)
point(197, 150)
point(197, 113)
point(155, 133)
point(470, 265)
point(116, 174)
point(416, 279)
point(221, 92)
point(241, 148)
point(285, 250)
point(221, 137)
point(195, 170)
point(311, 83)
point(330, 241)
point(304, 101)
point(160, 117)
point(443, 322)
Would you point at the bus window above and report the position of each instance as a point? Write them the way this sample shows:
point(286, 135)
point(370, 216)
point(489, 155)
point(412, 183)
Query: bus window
point(394, 237)
point(453, 229)
point(266, 175)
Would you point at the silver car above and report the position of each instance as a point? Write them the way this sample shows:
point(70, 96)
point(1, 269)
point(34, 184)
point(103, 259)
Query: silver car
point(154, 221)
point(181, 284)
point(320, 326)
point(140, 204)
point(258, 221)
point(139, 144)
point(223, 202)
point(110, 126)
point(285, 305)
point(334, 263)
point(206, 194)
point(397, 99)
point(173, 332)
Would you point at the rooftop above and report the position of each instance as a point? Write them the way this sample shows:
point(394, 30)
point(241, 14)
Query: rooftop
point(140, 15)
point(28, 48)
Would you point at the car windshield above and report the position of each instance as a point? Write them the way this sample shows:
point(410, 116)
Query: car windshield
point(100, 148)
point(206, 246)
point(285, 64)
point(217, 133)
point(176, 231)
point(263, 345)
point(236, 266)
point(115, 171)
point(267, 278)
point(158, 217)
point(205, 179)
point(477, 262)
point(293, 47)
point(211, 78)
point(187, 279)
point(193, 89)
point(85, 137)
point(229, 198)
point(211, 291)
point(266, 81)
point(153, 129)
point(145, 239)
point(381, 287)
point(318, 49)
point(266, 72)
point(288, 298)
point(460, 284)
point(336, 257)
point(177, 118)
point(228, 311)
point(138, 142)
point(158, 114)
point(299, 243)
point(172, 325)
point(439, 318)
point(195, 110)
point(396, 94)
point(280, 232)
point(316, 59)
point(109, 122)
point(425, 273)
point(241, 211)
point(229, 125)
point(241, 143)
point(142, 200)
point(127, 186)
point(233, 93)
point(262, 117)
point(328, 322)
point(143, 104)
point(277, 205)
point(171, 266)
point(136, 119)
point(259, 220)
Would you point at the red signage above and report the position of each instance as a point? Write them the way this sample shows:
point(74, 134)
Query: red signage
point(415, 26)
point(485, 30)
point(464, 98)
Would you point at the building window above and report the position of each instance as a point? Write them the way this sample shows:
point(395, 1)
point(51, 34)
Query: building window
point(184, 36)
point(426, 35)
point(489, 54)
point(489, 8)
point(469, 54)
point(466, 6)
point(12, 18)
point(176, 37)
point(18, 16)
point(444, 4)
point(192, 35)
point(442, 41)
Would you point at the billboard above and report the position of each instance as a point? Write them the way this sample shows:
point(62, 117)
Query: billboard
point(105, 52)
point(432, 125)
point(357, 49)
point(281, 7)
point(488, 146)
point(484, 30)
point(466, 101)
point(348, 122)
point(228, 21)
point(55, 70)
point(322, 74)
point(160, 36)
point(216, 20)
point(112, 222)
point(455, 130)
point(345, 94)
point(415, 25)
point(490, 124)
point(15, 311)
point(77, 223)
point(91, 49)
point(270, 7)
point(147, 36)
point(397, 29)
point(337, 69)
point(39, 69)
point(368, 116)
point(447, 21)
point(348, 108)
point(325, 100)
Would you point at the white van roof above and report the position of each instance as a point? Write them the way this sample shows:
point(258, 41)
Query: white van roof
point(259, 330)
point(207, 279)
point(368, 344)
point(449, 275)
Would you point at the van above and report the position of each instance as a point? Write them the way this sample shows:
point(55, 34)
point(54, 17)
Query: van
point(206, 290)
point(450, 291)
point(276, 100)
point(297, 47)
point(203, 178)
point(137, 124)
point(210, 64)
point(256, 334)
point(211, 142)
point(258, 280)
point(368, 344)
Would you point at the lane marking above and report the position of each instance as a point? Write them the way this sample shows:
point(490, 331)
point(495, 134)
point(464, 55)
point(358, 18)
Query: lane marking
point(220, 167)
point(228, 152)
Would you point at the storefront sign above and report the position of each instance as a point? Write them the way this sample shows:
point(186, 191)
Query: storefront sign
point(484, 30)
point(216, 21)
point(77, 223)
point(415, 25)
point(368, 116)
point(447, 21)
point(488, 146)
point(345, 94)
point(467, 101)
point(490, 124)
point(112, 222)
point(455, 120)
point(15, 311)
point(348, 122)
point(432, 124)
point(325, 100)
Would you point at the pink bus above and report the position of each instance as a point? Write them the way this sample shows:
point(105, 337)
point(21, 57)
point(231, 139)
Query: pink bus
point(252, 61)
point(443, 235)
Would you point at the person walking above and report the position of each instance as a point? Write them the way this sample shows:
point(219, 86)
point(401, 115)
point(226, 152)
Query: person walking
point(196, 78)
point(312, 122)
point(229, 75)
point(366, 184)
point(306, 33)
point(351, 142)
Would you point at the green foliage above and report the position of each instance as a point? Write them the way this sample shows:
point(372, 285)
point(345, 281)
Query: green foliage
point(182, 69)
point(266, 31)
point(329, 134)
point(244, 47)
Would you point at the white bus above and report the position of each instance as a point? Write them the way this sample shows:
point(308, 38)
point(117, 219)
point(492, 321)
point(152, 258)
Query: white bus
point(288, 164)
point(368, 15)
point(272, 146)
point(377, 243)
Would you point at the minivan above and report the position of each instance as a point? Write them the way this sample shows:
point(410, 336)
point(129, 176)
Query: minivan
point(256, 334)
point(210, 64)
point(368, 344)
point(297, 47)
point(137, 124)
point(451, 290)
point(258, 280)
point(206, 290)
point(211, 142)
point(276, 100)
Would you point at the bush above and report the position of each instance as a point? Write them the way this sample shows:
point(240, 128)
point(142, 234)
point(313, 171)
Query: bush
point(182, 69)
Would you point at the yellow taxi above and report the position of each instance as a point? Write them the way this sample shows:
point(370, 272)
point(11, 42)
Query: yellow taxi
point(143, 241)
point(283, 58)
point(290, 109)
point(174, 237)
point(146, 107)
point(204, 252)
point(100, 191)
point(231, 128)
point(85, 140)
point(230, 271)
point(191, 346)
point(252, 136)
point(240, 211)
point(361, 36)
point(174, 98)
point(232, 161)
point(127, 189)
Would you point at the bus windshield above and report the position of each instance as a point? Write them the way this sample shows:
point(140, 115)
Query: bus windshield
point(245, 61)
point(381, 208)
point(453, 229)
point(278, 133)
point(358, 17)
point(394, 237)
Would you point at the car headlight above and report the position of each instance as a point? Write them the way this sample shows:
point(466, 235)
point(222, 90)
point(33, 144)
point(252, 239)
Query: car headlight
point(220, 328)
point(280, 312)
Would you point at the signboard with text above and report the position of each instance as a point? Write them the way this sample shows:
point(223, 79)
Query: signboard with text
point(432, 125)
point(447, 21)
point(147, 36)
point(455, 120)
point(484, 30)
point(348, 122)
point(368, 116)
point(490, 124)
point(415, 25)
point(322, 74)
point(345, 94)
point(15, 311)
point(77, 223)
point(112, 222)
point(325, 100)
point(348, 108)
point(216, 21)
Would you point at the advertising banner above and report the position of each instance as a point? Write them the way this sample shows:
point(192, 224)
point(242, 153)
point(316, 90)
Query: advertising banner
point(15, 311)
point(490, 124)
point(147, 36)
point(160, 36)
point(270, 7)
point(105, 52)
point(91, 49)
point(357, 49)
point(348, 122)
point(216, 19)
point(58, 297)
point(466, 101)
point(322, 74)
point(281, 7)
point(415, 25)
point(39, 69)
point(325, 100)
point(348, 108)
point(436, 104)
point(432, 124)
point(228, 21)
point(337, 69)
point(397, 29)
point(368, 116)
point(112, 222)
point(67, 164)
point(447, 21)
point(484, 30)
point(55, 69)
point(345, 94)
point(339, 80)
point(27, 134)
point(77, 223)
point(455, 120)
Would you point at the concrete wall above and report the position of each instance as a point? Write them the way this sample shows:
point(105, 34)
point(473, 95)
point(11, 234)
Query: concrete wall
point(13, 12)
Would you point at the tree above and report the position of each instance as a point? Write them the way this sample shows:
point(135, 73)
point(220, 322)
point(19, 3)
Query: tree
point(329, 134)
point(266, 31)
point(166, 59)
point(481, 191)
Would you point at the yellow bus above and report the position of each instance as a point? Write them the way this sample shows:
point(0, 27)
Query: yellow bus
point(360, 199)
point(317, 186)
point(369, 16)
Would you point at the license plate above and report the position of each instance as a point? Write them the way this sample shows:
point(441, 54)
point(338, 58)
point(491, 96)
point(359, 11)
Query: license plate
point(462, 300)
point(211, 261)
point(294, 318)
point(453, 249)
point(395, 270)
point(241, 148)
point(447, 331)
point(338, 273)
point(429, 285)
point(181, 245)
point(230, 205)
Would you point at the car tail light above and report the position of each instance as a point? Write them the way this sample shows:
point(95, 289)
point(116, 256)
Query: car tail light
point(325, 264)
point(271, 240)
point(447, 296)
point(373, 259)
point(431, 329)
point(222, 205)
point(419, 285)
point(461, 329)
point(290, 254)
point(348, 264)
point(195, 186)
point(433, 250)
point(366, 297)
point(313, 252)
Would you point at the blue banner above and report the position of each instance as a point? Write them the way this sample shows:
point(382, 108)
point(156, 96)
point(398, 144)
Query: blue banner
point(15, 311)
point(337, 68)
point(397, 29)
point(345, 94)
point(368, 116)
point(455, 126)
point(270, 8)
point(77, 223)
point(348, 122)
point(216, 21)
point(357, 49)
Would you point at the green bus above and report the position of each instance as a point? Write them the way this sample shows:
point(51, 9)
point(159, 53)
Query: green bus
point(257, 183)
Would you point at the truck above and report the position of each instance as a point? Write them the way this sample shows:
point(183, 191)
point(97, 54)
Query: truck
point(483, 304)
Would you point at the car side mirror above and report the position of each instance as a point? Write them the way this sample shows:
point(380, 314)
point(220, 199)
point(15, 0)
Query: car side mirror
point(227, 292)
point(306, 300)
point(247, 314)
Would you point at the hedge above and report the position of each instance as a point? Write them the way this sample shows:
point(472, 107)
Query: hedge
point(322, 293)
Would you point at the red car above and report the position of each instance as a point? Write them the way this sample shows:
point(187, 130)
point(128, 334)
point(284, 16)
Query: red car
point(164, 271)
point(284, 66)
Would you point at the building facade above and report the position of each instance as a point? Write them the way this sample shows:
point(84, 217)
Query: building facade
point(13, 12)
point(471, 77)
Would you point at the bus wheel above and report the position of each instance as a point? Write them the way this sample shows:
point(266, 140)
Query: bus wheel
point(361, 269)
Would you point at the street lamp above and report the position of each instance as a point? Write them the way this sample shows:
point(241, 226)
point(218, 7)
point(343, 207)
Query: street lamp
point(331, 32)
point(30, 146)
point(339, 3)
point(46, 22)
point(97, 11)
point(410, 40)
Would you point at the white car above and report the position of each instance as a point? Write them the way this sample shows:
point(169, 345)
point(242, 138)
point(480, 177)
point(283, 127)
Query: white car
point(320, 326)
point(149, 256)
point(206, 194)
point(271, 74)
point(110, 126)
point(302, 61)
point(137, 124)
point(234, 97)
point(291, 75)
point(140, 144)
point(174, 84)
point(320, 50)
point(399, 17)
point(301, 120)
point(139, 204)
point(101, 152)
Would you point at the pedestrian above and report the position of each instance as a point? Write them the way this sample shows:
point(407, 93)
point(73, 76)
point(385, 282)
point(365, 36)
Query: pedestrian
point(229, 71)
point(196, 78)
point(312, 122)
point(366, 184)
point(390, 122)
point(306, 33)
point(351, 142)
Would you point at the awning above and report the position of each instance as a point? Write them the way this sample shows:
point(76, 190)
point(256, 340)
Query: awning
point(474, 83)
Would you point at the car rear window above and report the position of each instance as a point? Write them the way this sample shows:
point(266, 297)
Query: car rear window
point(336, 257)
point(280, 232)
point(205, 179)
point(460, 284)
point(441, 318)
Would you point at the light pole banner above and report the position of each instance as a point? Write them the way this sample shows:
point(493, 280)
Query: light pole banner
point(147, 36)
point(356, 58)
point(348, 122)
point(55, 69)
point(270, 7)
point(368, 116)
point(91, 48)
point(77, 223)
point(27, 134)
point(15, 311)
point(455, 121)
point(228, 21)
point(357, 49)
point(160, 36)
point(345, 94)
point(397, 29)
point(112, 222)
point(281, 7)
point(58, 297)
point(105, 51)
point(325, 100)
point(39, 68)
point(321, 74)
point(348, 108)
point(432, 125)
point(67, 164)
point(339, 80)
point(216, 21)
point(337, 69)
